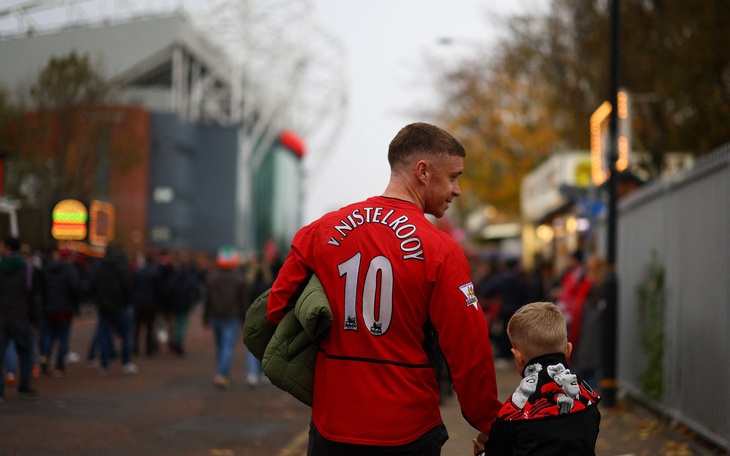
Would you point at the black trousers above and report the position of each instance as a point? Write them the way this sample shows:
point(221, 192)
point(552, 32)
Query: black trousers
point(429, 444)
point(22, 333)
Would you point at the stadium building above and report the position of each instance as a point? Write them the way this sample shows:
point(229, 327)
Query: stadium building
point(215, 166)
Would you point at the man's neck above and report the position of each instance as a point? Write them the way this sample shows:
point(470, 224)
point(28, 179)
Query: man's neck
point(402, 192)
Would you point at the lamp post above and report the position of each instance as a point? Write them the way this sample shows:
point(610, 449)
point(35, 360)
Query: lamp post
point(608, 382)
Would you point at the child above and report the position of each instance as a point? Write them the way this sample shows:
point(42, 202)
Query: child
point(552, 411)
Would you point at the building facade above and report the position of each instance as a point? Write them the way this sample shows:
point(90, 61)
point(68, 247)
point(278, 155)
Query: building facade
point(194, 186)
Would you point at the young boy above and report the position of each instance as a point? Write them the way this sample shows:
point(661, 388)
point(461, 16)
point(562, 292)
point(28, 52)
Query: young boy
point(552, 412)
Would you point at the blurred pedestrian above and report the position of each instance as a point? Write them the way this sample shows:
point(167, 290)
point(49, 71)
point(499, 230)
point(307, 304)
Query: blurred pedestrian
point(569, 281)
point(512, 289)
point(111, 286)
point(260, 276)
point(586, 333)
point(226, 293)
point(19, 313)
point(393, 281)
point(487, 274)
point(61, 292)
point(145, 286)
point(11, 363)
point(183, 291)
point(34, 262)
point(540, 280)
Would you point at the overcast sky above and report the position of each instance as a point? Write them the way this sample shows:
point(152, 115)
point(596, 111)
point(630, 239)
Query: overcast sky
point(385, 41)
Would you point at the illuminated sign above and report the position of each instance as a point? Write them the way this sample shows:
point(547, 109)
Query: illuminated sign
point(600, 146)
point(69, 220)
point(101, 223)
point(82, 247)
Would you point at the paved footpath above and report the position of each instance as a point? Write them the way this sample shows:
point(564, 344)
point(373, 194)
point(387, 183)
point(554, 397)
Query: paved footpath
point(625, 430)
point(171, 408)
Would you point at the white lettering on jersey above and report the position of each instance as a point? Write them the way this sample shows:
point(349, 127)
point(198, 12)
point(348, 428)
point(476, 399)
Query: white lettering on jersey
point(406, 232)
point(471, 298)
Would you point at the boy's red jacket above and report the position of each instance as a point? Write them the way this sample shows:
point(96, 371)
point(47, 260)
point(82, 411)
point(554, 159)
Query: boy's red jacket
point(392, 279)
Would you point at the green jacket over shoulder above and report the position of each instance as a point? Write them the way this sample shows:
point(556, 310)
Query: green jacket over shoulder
point(288, 352)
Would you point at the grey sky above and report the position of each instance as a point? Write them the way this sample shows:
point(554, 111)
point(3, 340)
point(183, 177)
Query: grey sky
point(386, 41)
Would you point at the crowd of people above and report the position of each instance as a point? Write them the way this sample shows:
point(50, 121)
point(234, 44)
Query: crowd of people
point(400, 295)
point(503, 286)
point(142, 301)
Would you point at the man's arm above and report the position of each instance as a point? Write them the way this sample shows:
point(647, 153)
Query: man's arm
point(464, 340)
point(291, 279)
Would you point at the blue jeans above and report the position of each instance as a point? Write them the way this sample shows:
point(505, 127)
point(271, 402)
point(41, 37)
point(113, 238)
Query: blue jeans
point(119, 321)
point(11, 358)
point(52, 330)
point(253, 365)
point(226, 334)
point(95, 345)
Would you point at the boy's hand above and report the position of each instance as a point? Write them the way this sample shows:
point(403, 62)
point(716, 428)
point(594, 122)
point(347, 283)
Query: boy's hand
point(479, 442)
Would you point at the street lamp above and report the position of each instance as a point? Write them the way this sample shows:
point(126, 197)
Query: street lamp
point(608, 382)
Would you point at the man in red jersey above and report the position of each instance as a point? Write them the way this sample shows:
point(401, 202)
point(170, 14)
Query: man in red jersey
point(394, 283)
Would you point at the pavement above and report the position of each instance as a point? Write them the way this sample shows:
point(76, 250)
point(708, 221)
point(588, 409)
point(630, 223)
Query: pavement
point(172, 408)
point(627, 429)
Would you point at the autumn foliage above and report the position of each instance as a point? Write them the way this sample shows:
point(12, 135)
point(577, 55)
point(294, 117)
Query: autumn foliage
point(533, 94)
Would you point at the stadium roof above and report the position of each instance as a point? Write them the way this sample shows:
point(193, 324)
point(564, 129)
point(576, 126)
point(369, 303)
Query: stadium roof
point(162, 57)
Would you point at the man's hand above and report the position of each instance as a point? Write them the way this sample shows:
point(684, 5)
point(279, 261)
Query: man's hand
point(479, 442)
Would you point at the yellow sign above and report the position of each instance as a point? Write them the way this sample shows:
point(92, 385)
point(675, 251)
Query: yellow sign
point(69, 220)
point(600, 148)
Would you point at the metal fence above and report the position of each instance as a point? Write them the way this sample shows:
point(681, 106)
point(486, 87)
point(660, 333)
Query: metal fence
point(684, 224)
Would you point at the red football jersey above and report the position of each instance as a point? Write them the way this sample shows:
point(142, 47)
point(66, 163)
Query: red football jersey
point(387, 272)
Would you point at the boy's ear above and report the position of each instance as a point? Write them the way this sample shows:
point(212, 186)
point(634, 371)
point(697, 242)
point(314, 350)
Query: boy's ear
point(519, 358)
point(568, 350)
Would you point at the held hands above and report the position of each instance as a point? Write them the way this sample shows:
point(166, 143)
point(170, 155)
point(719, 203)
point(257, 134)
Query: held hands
point(479, 442)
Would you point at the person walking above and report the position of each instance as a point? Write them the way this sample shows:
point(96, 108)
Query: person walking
point(570, 282)
point(11, 363)
point(61, 292)
point(511, 288)
point(394, 281)
point(111, 286)
point(226, 292)
point(183, 290)
point(19, 313)
point(586, 333)
point(260, 276)
point(145, 280)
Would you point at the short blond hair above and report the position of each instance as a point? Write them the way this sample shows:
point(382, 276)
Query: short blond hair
point(538, 329)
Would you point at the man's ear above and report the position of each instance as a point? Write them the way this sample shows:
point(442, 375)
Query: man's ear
point(422, 170)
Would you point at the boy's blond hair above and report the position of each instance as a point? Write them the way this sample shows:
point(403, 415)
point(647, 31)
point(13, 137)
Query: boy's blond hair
point(538, 329)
